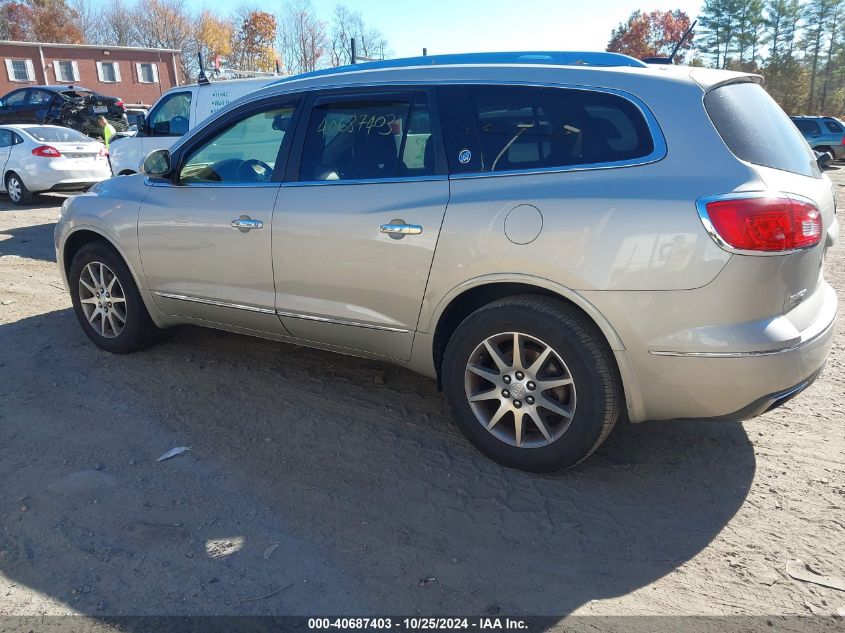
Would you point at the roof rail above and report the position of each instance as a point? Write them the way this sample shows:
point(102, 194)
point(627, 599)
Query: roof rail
point(553, 58)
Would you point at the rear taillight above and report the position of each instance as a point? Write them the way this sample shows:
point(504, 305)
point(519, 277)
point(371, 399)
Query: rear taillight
point(843, 139)
point(764, 224)
point(46, 151)
point(119, 103)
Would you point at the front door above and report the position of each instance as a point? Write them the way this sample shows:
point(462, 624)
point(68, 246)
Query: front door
point(356, 225)
point(205, 235)
point(6, 142)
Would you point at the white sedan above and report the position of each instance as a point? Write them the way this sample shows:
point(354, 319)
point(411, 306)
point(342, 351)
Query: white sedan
point(37, 158)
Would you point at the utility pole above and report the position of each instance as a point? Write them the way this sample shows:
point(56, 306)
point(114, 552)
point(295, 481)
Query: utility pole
point(354, 56)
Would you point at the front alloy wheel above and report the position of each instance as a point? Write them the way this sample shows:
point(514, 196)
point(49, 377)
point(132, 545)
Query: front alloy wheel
point(102, 299)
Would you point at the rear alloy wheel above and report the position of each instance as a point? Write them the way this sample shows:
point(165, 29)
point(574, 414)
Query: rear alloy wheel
point(107, 302)
point(18, 193)
point(532, 383)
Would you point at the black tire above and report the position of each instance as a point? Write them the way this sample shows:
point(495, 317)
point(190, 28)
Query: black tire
point(581, 346)
point(25, 196)
point(138, 331)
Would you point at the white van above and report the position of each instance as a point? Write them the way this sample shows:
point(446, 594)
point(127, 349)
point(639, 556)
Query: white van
point(178, 110)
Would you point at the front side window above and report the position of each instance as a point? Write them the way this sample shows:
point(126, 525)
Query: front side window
point(245, 152)
point(172, 115)
point(528, 127)
point(372, 137)
point(16, 98)
point(808, 127)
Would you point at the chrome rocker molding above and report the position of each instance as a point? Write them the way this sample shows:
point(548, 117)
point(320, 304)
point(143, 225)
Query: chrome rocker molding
point(369, 326)
point(211, 302)
point(751, 354)
point(293, 315)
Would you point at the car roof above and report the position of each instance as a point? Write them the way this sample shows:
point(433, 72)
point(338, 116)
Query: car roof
point(57, 88)
point(581, 64)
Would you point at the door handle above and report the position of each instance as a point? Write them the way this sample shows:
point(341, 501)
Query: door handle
point(245, 223)
point(395, 229)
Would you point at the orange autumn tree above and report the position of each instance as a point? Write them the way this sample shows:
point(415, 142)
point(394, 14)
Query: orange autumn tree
point(652, 34)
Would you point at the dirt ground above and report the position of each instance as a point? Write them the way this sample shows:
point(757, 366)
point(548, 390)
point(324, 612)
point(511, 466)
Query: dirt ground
point(319, 484)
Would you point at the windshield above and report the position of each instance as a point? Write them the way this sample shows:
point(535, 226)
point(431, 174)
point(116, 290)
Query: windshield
point(57, 135)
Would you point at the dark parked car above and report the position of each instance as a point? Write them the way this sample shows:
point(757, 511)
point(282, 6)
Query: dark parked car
point(69, 106)
point(823, 133)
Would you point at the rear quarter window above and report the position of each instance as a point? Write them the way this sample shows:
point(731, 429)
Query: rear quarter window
point(757, 131)
point(495, 128)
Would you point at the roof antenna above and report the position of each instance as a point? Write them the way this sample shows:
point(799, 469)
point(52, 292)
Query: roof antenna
point(681, 41)
point(671, 58)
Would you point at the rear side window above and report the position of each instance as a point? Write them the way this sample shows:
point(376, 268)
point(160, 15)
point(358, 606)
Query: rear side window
point(756, 130)
point(526, 127)
point(833, 126)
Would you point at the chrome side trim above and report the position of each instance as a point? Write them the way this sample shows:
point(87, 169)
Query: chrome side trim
point(751, 354)
point(363, 181)
point(369, 326)
point(211, 302)
point(205, 185)
point(701, 207)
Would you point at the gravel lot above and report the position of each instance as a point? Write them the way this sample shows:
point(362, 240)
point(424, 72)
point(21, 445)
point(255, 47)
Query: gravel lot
point(318, 483)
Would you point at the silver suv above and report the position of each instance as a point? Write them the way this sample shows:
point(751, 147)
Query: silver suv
point(561, 240)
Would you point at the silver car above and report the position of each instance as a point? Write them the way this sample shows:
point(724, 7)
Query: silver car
point(561, 240)
point(39, 158)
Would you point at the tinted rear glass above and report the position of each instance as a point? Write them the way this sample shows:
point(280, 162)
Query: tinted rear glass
point(57, 135)
point(526, 127)
point(756, 130)
point(833, 126)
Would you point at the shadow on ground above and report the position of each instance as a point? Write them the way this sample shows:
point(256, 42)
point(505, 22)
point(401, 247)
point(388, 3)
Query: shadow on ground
point(34, 242)
point(317, 483)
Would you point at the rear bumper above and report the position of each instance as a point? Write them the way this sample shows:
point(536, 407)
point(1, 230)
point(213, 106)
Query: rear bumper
point(733, 384)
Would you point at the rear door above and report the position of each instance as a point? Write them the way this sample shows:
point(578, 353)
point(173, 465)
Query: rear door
point(358, 218)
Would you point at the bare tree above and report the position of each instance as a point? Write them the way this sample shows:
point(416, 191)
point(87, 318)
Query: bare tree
point(302, 38)
point(89, 20)
point(167, 24)
point(369, 41)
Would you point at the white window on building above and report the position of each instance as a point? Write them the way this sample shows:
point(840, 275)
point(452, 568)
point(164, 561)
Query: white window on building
point(20, 70)
point(66, 71)
point(147, 73)
point(108, 72)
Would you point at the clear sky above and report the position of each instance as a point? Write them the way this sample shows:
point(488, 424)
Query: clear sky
point(459, 26)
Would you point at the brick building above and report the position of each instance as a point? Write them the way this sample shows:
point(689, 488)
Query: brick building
point(136, 75)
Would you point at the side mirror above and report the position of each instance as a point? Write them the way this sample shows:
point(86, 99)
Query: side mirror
point(157, 163)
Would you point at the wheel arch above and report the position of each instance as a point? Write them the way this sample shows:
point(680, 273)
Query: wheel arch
point(83, 235)
point(463, 300)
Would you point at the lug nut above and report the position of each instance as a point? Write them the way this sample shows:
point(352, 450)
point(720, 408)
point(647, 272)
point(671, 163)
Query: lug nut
point(517, 404)
point(520, 375)
point(529, 399)
point(506, 380)
point(531, 386)
point(506, 393)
